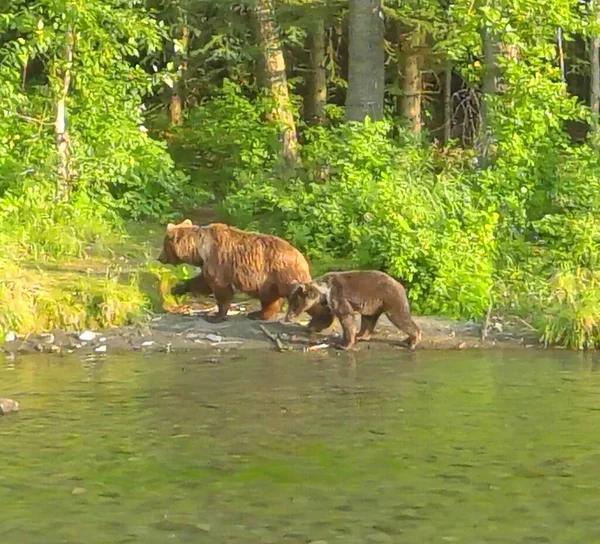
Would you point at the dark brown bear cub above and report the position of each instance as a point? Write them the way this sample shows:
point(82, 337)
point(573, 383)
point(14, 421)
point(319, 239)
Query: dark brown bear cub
point(368, 292)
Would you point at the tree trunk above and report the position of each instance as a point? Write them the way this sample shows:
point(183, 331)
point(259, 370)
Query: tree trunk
point(316, 81)
point(275, 76)
point(561, 54)
point(366, 71)
point(412, 82)
point(595, 70)
point(448, 106)
point(489, 88)
point(60, 124)
point(176, 106)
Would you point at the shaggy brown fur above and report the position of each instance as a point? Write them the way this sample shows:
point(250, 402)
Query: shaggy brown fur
point(368, 292)
point(260, 265)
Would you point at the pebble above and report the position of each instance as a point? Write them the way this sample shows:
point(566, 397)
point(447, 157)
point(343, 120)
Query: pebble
point(10, 336)
point(101, 349)
point(147, 343)
point(213, 337)
point(87, 336)
point(8, 405)
point(102, 339)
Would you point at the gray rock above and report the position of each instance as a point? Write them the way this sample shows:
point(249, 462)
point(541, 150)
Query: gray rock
point(8, 405)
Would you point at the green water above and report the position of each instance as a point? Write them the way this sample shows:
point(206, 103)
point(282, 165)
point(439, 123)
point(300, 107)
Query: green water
point(469, 447)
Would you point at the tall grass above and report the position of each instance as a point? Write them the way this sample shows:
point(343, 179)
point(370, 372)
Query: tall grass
point(57, 269)
point(572, 318)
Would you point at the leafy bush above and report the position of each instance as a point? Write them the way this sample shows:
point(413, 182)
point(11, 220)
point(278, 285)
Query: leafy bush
point(112, 159)
point(572, 314)
point(224, 136)
point(389, 204)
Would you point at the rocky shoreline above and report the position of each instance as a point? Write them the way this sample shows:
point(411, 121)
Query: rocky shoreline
point(173, 332)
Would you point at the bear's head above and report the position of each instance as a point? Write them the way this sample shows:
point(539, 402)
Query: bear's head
point(182, 244)
point(304, 296)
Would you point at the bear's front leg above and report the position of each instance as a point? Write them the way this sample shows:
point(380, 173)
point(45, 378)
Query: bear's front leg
point(224, 296)
point(349, 327)
point(196, 286)
point(321, 318)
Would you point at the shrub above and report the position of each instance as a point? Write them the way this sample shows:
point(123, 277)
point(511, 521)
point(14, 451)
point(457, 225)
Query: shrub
point(387, 203)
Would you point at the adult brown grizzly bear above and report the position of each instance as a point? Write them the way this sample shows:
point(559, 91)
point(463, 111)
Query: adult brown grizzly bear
point(260, 265)
point(369, 292)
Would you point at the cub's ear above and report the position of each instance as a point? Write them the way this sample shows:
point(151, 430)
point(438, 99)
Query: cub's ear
point(171, 227)
point(186, 223)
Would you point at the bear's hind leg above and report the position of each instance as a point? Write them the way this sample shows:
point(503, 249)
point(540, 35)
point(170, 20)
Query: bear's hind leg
point(270, 304)
point(406, 324)
point(268, 310)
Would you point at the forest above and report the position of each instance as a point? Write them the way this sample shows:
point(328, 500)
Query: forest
point(450, 143)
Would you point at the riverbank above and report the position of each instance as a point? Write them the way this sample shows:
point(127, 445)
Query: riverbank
point(189, 331)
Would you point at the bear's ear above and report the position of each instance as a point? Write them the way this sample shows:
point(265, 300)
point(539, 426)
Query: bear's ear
point(186, 223)
point(171, 227)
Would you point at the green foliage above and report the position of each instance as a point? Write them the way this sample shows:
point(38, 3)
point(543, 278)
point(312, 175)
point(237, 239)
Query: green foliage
point(572, 315)
point(32, 228)
point(224, 136)
point(387, 204)
point(111, 157)
point(32, 300)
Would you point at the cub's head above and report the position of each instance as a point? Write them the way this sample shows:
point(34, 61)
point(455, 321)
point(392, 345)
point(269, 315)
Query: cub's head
point(303, 298)
point(183, 243)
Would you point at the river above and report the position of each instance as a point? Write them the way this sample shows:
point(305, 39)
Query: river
point(260, 447)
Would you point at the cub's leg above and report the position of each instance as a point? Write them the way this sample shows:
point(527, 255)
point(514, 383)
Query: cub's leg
point(224, 296)
point(349, 327)
point(405, 323)
point(343, 311)
point(367, 326)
